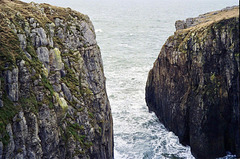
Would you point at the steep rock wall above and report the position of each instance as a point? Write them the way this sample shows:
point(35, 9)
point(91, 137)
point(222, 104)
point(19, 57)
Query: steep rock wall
point(53, 101)
point(193, 86)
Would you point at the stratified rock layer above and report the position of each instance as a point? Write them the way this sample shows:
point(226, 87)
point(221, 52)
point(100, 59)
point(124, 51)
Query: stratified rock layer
point(194, 85)
point(53, 101)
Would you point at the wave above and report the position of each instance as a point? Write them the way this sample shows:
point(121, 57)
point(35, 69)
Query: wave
point(98, 31)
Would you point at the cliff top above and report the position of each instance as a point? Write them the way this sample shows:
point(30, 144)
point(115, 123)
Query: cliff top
point(14, 13)
point(39, 11)
point(207, 19)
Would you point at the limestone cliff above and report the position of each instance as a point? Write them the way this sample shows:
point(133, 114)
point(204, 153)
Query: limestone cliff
point(193, 86)
point(53, 101)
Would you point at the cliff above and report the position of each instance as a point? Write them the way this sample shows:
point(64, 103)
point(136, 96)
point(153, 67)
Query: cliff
point(53, 101)
point(193, 86)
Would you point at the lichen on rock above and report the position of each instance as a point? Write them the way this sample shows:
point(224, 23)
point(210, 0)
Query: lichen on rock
point(193, 86)
point(61, 101)
point(53, 97)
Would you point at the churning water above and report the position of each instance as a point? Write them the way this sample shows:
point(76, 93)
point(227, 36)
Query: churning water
point(130, 34)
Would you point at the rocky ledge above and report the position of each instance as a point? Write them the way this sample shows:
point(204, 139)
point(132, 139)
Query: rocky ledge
point(53, 101)
point(193, 86)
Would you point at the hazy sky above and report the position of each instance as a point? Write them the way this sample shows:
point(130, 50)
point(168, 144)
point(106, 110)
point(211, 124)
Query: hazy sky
point(89, 6)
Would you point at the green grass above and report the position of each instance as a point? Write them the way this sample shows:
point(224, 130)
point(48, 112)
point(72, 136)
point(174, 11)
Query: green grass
point(73, 130)
point(91, 115)
point(47, 84)
point(29, 103)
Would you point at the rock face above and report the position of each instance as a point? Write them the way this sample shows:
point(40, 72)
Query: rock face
point(53, 101)
point(203, 18)
point(193, 86)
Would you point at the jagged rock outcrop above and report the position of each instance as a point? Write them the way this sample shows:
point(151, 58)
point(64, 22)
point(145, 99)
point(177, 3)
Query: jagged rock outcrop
point(53, 101)
point(193, 86)
point(203, 18)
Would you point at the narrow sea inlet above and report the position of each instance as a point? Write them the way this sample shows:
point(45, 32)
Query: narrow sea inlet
point(130, 34)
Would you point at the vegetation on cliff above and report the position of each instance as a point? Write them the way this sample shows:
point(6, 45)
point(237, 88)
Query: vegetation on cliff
point(194, 85)
point(53, 101)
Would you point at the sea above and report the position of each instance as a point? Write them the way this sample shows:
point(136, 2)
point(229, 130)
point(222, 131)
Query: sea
point(130, 34)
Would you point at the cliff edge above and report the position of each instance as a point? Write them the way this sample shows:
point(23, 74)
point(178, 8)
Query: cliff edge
point(193, 86)
point(53, 101)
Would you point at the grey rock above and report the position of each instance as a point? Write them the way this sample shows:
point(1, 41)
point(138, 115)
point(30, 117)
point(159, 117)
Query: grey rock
point(1, 103)
point(31, 155)
point(56, 59)
point(11, 145)
point(12, 84)
point(12, 76)
point(34, 142)
point(28, 55)
point(72, 42)
point(229, 8)
point(66, 92)
point(39, 37)
point(57, 87)
point(19, 155)
point(43, 55)
point(61, 94)
point(36, 82)
point(55, 78)
point(60, 33)
point(1, 149)
point(48, 131)
point(40, 97)
point(12, 26)
point(66, 61)
point(189, 22)
point(24, 79)
point(50, 41)
point(22, 63)
point(34, 25)
point(23, 42)
point(88, 34)
point(180, 24)
point(31, 20)
point(63, 73)
point(51, 27)
point(20, 131)
point(58, 22)
point(76, 100)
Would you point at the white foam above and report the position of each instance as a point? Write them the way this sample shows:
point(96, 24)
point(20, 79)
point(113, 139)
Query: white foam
point(98, 31)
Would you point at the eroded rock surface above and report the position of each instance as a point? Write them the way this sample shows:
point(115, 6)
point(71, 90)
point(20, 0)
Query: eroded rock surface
point(53, 101)
point(193, 86)
point(203, 18)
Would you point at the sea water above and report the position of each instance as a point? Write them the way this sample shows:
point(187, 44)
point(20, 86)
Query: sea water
point(130, 34)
